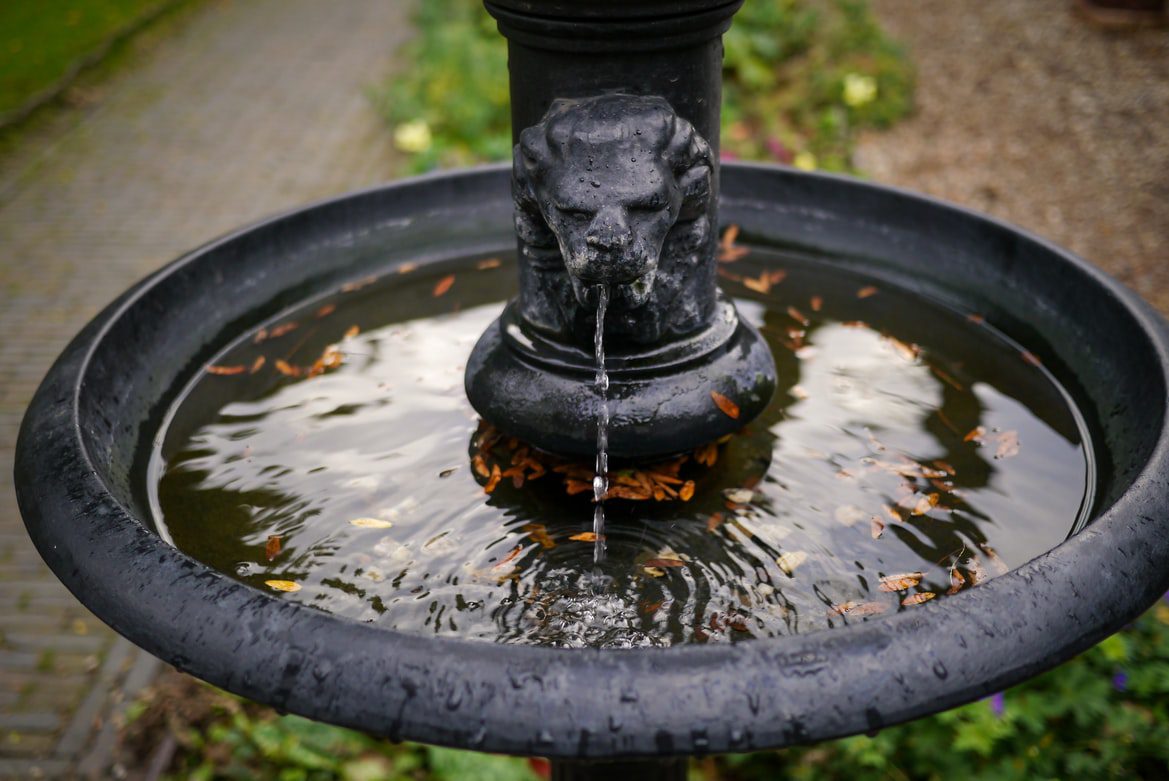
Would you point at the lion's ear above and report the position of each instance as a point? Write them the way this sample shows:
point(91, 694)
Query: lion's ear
point(694, 184)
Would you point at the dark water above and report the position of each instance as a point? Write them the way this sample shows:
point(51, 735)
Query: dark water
point(868, 464)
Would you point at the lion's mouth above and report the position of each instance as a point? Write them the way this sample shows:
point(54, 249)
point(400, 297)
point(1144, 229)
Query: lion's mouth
point(622, 295)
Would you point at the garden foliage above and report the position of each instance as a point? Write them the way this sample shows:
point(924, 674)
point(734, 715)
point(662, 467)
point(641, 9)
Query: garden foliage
point(801, 78)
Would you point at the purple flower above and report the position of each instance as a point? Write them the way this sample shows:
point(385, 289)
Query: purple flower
point(1120, 681)
point(998, 704)
point(779, 151)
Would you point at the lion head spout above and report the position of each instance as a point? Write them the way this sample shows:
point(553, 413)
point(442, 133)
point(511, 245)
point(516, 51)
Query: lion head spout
point(615, 190)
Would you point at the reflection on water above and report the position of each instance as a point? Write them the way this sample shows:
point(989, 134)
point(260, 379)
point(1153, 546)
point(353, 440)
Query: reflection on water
point(909, 453)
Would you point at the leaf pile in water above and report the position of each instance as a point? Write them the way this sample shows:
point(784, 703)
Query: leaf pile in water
point(498, 457)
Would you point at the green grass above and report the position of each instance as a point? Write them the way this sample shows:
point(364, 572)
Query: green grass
point(41, 41)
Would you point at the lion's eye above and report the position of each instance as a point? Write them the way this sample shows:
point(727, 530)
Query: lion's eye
point(579, 215)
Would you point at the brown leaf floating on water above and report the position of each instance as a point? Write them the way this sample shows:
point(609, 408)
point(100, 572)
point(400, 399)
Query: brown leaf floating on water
point(975, 434)
point(859, 609)
point(1008, 444)
point(443, 285)
point(287, 369)
point(957, 581)
point(584, 537)
point(976, 318)
point(351, 332)
point(728, 407)
point(728, 252)
point(325, 310)
point(1030, 358)
point(574, 487)
point(817, 303)
point(226, 371)
point(866, 292)
point(272, 547)
point(686, 492)
point(714, 521)
point(654, 572)
point(407, 268)
point(706, 454)
point(798, 316)
point(997, 564)
point(488, 263)
point(282, 329)
point(876, 527)
point(760, 285)
point(900, 581)
point(665, 562)
point(506, 560)
point(539, 533)
point(790, 560)
point(257, 364)
point(480, 465)
point(918, 598)
point(496, 476)
point(350, 287)
point(283, 585)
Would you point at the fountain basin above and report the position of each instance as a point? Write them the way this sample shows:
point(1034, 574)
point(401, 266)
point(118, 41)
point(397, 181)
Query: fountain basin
point(82, 491)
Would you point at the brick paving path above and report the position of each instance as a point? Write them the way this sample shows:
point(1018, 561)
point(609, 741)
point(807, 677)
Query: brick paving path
point(247, 108)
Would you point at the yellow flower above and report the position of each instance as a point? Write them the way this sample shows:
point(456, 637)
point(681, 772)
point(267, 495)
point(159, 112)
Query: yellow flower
point(413, 137)
point(805, 161)
point(859, 90)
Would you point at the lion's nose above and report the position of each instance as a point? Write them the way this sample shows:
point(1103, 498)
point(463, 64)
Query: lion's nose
point(609, 230)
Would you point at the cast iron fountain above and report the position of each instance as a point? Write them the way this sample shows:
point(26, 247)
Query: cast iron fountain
point(617, 195)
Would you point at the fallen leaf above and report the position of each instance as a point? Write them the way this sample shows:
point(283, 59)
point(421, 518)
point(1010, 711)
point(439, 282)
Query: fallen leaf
point(865, 292)
point(860, 609)
point(798, 316)
point(225, 371)
point(539, 533)
point(976, 570)
point(817, 303)
point(443, 285)
point(714, 521)
point(656, 563)
point(350, 287)
point(946, 467)
point(900, 582)
point(876, 527)
point(997, 564)
point(1008, 444)
point(739, 495)
point(516, 551)
point(760, 285)
point(488, 264)
point(686, 492)
point(918, 598)
point(849, 514)
point(283, 585)
point(975, 434)
point(798, 392)
point(790, 560)
point(729, 236)
point(1031, 358)
point(257, 364)
point(287, 369)
point(406, 268)
point(925, 503)
point(351, 332)
point(584, 537)
point(480, 466)
point(496, 476)
point(907, 352)
point(728, 407)
point(957, 581)
point(776, 275)
point(282, 329)
point(574, 487)
point(272, 547)
point(707, 454)
point(326, 310)
point(977, 319)
point(370, 523)
point(654, 572)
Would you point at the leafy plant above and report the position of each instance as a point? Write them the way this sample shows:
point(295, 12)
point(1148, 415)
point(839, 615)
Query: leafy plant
point(800, 78)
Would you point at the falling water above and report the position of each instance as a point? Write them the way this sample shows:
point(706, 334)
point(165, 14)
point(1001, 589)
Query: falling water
point(601, 479)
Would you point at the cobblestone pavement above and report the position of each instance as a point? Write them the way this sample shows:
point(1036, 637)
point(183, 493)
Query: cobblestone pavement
point(248, 107)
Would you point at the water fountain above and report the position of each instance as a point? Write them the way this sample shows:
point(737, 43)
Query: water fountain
point(793, 561)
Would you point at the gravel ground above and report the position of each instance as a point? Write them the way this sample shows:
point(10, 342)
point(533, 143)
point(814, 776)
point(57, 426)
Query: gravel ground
point(1027, 112)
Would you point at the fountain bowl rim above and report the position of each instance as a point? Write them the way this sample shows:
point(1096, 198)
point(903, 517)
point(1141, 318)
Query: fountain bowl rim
point(586, 703)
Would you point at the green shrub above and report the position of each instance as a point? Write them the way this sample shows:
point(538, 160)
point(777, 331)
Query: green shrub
point(800, 77)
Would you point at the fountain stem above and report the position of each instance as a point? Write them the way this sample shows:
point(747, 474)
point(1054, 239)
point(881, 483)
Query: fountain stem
point(615, 114)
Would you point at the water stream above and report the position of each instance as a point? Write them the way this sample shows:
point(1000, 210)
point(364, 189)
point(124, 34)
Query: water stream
point(601, 479)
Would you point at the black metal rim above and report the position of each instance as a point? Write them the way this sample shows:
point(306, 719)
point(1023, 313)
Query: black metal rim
point(560, 703)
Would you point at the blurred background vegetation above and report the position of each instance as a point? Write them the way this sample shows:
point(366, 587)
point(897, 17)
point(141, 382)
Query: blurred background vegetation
point(801, 78)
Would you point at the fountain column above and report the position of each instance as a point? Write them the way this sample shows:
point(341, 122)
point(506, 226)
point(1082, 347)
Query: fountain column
point(615, 118)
